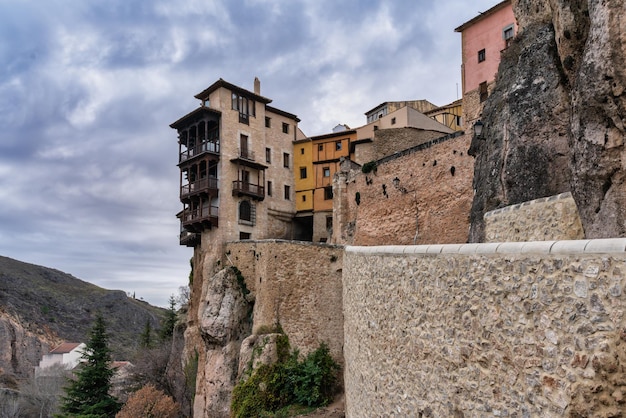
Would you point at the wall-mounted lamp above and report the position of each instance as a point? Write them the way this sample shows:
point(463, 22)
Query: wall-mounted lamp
point(478, 129)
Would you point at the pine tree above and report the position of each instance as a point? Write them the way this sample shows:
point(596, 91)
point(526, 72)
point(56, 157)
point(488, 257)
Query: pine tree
point(146, 336)
point(169, 322)
point(88, 394)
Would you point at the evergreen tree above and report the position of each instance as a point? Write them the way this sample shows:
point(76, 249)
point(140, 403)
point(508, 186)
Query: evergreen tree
point(146, 336)
point(167, 330)
point(88, 394)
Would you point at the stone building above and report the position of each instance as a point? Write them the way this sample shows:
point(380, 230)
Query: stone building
point(235, 160)
point(482, 40)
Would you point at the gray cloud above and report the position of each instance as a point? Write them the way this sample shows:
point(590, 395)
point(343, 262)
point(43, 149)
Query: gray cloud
point(88, 177)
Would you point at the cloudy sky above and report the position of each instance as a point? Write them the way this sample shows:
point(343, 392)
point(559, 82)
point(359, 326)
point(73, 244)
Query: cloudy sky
point(88, 176)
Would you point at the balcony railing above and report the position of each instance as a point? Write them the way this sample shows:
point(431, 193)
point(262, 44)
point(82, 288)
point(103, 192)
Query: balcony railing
point(212, 147)
point(200, 218)
point(249, 189)
point(203, 185)
point(246, 154)
point(190, 239)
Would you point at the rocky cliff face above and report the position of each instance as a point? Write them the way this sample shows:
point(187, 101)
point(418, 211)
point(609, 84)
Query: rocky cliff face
point(554, 121)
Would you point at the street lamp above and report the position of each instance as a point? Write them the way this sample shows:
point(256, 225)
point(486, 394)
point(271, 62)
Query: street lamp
point(478, 129)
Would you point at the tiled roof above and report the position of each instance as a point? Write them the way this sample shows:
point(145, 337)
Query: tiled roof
point(64, 348)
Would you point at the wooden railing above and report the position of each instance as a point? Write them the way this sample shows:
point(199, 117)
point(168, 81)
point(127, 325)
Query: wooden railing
point(212, 147)
point(200, 214)
point(249, 189)
point(198, 186)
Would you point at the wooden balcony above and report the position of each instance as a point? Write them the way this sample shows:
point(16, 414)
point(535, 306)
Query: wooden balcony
point(211, 147)
point(189, 239)
point(255, 191)
point(208, 185)
point(197, 220)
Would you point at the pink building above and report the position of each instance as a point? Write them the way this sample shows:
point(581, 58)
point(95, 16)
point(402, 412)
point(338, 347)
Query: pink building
point(483, 38)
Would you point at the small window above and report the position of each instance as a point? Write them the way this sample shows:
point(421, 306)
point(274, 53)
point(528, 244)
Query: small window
point(244, 235)
point(285, 128)
point(507, 35)
point(329, 223)
point(393, 121)
point(304, 198)
point(302, 172)
point(482, 89)
point(482, 55)
point(326, 171)
point(286, 159)
point(328, 193)
point(375, 127)
point(321, 147)
point(269, 188)
point(287, 192)
point(338, 146)
point(301, 151)
point(268, 155)
point(245, 211)
point(268, 122)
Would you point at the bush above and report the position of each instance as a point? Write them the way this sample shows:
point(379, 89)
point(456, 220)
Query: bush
point(149, 402)
point(369, 167)
point(310, 382)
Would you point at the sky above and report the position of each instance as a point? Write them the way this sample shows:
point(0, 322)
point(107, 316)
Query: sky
point(88, 176)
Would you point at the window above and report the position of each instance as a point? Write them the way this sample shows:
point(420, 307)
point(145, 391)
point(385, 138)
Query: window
point(244, 150)
point(507, 35)
point(329, 223)
point(287, 192)
point(301, 151)
point(269, 188)
point(286, 159)
point(285, 128)
point(482, 55)
point(268, 122)
point(338, 146)
point(458, 120)
point(326, 171)
point(268, 155)
point(393, 121)
point(302, 172)
point(328, 193)
point(245, 211)
point(321, 147)
point(244, 235)
point(245, 107)
point(304, 198)
point(482, 89)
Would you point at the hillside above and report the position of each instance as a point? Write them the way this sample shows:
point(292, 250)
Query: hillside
point(40, 307)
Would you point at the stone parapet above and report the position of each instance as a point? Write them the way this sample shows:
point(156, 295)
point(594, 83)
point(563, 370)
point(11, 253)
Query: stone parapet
point(499, 329)
point(549, 218)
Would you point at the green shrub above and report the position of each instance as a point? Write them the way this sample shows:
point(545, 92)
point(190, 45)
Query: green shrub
point(311, 381)
point(369, 167)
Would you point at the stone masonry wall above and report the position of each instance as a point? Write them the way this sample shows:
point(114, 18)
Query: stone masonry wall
point(296, 284)
point(430, 203)
point(514, 329)
point(549, 218)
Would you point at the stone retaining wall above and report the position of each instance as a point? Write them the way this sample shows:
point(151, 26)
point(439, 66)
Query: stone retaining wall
point(472, 330)
point(549, 218)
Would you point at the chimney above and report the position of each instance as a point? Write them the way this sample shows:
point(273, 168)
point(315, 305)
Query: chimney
point(257, 86)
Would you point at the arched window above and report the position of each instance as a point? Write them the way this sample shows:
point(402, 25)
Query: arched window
point(245, 211)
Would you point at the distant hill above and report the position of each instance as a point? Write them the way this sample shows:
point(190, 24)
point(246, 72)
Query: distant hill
point(40, 307)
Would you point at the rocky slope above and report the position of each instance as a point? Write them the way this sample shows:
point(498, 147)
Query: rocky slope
point(555, 120)
point(40, 307)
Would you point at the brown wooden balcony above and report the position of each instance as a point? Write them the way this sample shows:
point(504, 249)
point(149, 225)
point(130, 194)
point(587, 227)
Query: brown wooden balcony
point(209, 185)
point(211, 147)
point(189, 239)
point(196, 220)
point(242, 188)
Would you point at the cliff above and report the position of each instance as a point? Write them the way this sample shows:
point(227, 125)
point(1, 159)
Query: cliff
point(554, 121)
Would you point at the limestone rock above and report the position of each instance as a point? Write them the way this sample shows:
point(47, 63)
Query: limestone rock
point(555, 119)
point(257, 350)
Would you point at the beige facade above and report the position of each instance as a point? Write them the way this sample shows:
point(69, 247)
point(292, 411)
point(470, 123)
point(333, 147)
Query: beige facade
point(236, 161)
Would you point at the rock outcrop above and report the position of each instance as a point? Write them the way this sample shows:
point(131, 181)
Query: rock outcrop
point(554, 122)
point(224, 320)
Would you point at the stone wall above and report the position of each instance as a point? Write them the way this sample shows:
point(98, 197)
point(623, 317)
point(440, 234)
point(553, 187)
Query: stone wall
point(550, 218)
point(296, 284)
point(392, 140)
point(474, 330)
point(429, 204)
